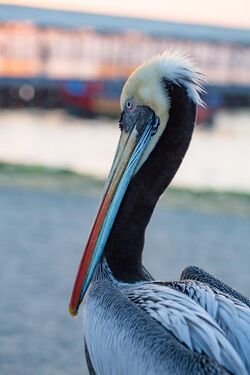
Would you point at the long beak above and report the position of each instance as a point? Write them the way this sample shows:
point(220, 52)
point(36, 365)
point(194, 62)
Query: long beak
point(130, 149)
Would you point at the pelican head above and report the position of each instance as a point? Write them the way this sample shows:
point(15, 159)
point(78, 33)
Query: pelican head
point(146, 104)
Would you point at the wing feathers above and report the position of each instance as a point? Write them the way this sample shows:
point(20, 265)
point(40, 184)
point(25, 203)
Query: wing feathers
point(232, 315)
point(188, 321)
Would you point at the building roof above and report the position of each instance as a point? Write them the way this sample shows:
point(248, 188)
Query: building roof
point(107, 23)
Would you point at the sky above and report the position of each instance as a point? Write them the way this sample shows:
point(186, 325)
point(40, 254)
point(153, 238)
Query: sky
point(229, 13)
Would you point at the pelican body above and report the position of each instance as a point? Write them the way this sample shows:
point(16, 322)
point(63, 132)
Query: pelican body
point(132, 323)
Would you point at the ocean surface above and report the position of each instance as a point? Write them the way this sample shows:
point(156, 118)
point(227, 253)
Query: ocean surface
point(44, 223)
point(217, 159)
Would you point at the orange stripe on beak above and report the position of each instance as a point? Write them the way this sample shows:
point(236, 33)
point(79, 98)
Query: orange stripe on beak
point(87, 255)
point(125, 148)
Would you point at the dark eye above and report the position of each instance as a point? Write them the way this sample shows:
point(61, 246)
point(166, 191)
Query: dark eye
point(129, 104)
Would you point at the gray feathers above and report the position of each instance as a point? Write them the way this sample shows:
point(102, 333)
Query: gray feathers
point(123, 339)
point(190, 323)
point(198, 274)
point(232, 315)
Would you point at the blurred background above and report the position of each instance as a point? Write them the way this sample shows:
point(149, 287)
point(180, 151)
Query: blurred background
point(62, 68)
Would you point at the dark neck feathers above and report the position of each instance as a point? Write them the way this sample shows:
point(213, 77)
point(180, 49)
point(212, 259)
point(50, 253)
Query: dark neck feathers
point(124, 247)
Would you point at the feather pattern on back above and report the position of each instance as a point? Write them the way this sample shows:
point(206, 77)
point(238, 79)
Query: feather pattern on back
point(232, 316)
point(187, 321)
point(124, 339)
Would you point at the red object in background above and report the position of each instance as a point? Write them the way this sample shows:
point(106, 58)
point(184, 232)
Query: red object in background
point(80, 94)
point(205, 115)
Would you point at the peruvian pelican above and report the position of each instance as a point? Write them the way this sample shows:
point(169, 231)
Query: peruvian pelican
point(134, 325)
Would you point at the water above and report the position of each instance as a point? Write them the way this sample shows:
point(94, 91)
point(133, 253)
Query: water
point(42, 231)
point(217, 159)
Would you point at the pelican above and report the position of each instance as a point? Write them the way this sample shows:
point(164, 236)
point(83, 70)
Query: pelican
point(132, 323)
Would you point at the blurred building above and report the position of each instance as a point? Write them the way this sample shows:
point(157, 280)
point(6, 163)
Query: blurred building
point(78, 60)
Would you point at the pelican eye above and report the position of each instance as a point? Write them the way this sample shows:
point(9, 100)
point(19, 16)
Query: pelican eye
point(129, 104)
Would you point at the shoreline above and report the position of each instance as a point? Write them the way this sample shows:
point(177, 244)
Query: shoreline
point(58, 181)
point(47, 171)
